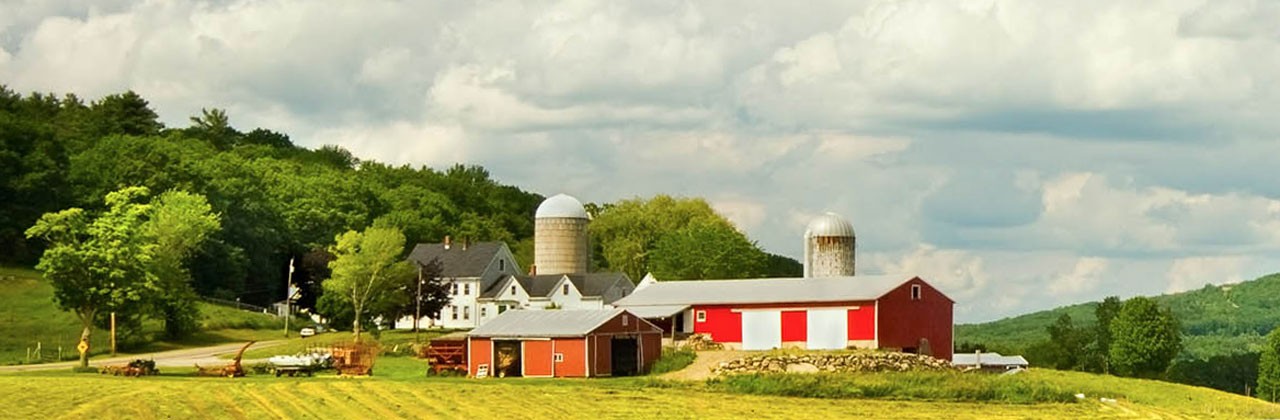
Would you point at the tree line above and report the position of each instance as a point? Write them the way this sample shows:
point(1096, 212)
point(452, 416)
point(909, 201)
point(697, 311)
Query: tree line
point(273, 202)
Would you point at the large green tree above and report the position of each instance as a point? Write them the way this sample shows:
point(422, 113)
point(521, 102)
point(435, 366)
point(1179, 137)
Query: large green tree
point(98, 264)
point(367, 269)
point(180, 222)
point(1269, 368)
point(629, 232)
point(706, 250)
point(1145, 339)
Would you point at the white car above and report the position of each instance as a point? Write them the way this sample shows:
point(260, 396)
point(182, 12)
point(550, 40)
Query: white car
point(307, 332)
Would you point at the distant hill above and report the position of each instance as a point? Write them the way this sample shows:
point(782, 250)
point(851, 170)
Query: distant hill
point(1214, 319)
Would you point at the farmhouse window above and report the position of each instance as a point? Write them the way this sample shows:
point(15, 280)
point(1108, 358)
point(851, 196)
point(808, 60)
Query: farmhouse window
point(466, 288)
point(565, 289)
point(466, 312)
point(915, 292)
point(483, 311)
point(502, 308)
point(513, 290)
point(454, 310)
point(502, 265)
point(559, 357)
point(701, 316)
point(453, 289)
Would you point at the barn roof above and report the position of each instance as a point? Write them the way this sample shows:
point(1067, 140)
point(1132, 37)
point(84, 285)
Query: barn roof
point(777, 290)
point(545, 323)
point(458, 261)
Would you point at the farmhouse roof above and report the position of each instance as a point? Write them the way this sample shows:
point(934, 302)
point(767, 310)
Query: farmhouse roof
point(589, 284)
point(458, 261)
point(546, 323)
point(776, 290)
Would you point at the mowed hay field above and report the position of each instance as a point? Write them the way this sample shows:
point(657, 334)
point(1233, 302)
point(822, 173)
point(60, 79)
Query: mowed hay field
point(400, 391)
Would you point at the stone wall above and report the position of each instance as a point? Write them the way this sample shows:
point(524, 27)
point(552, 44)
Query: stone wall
point(862, 361)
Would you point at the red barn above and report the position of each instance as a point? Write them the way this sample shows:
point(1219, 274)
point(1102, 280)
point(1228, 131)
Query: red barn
point(881, 312)
point(563, 343)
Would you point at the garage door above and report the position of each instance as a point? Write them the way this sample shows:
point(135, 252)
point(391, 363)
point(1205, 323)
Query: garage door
point(828, 329)
point(761, 330)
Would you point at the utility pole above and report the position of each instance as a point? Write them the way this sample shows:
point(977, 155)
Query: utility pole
point(288, 298)
point(417, 311)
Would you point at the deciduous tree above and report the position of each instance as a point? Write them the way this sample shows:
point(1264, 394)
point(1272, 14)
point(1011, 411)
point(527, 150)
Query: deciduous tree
point(366, 269)
point(1269, 368)
point(1145, 339)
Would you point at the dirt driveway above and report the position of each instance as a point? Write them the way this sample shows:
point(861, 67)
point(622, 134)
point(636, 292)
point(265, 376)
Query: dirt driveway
point(702, 365)
point(204, 356)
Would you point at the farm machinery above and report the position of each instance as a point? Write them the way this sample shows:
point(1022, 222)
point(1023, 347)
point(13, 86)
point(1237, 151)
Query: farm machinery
point(233, 370)
point(135, 368)
point(301, 364)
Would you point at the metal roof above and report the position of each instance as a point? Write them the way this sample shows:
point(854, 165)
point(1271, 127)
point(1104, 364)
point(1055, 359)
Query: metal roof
point(545, 323)
point(988, 359)
point(657, 311)
point(829, 224)
point(561, 205)
point(777, 290)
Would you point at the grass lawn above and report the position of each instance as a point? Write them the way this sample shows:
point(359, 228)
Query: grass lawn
point(30, 317)
point(400, 390)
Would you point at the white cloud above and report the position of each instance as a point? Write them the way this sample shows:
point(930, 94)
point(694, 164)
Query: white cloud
point(1035, 153)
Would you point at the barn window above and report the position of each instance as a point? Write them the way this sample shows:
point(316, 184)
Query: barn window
point(624, 320)
point(559, 357)
point(915, 292)
point(565, 289)
point(701, 316)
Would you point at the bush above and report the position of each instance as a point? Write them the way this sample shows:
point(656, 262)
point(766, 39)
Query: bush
point(86, 369)
point(673, 359)
point(926, 386)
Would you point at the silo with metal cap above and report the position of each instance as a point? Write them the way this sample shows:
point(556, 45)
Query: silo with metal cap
point(561, 244)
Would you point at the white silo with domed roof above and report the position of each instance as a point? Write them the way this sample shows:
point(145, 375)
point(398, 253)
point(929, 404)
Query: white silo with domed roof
point(561, 244)
point(829, 245)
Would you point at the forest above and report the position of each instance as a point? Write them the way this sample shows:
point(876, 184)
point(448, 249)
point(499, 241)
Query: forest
point(278, 201)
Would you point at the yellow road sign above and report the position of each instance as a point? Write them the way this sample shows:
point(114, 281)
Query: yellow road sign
point(83, 346)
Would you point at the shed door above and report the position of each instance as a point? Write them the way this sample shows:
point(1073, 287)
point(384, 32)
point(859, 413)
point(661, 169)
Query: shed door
point(828, 329)
point(761, 330)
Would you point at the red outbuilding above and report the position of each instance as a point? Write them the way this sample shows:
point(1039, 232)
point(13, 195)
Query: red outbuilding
point(563, 343)
point(901, 313)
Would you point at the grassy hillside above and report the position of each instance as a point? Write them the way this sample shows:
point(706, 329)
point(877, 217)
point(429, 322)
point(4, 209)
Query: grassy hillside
point(1213, 318)
point(401, 391)
point(30, 317)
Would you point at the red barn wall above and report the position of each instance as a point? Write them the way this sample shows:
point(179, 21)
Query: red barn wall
point(651, 350)
point(903, 322)
point(862, 322)
point(794, 326)
point(536, 357)
point(601, 350)
point(724, 323)
point(480, 352)
point(575, 357)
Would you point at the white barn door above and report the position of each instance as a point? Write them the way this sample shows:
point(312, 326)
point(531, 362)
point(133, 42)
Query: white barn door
point(761, 330)
point(828, 329)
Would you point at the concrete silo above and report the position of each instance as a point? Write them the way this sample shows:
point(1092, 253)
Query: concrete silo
point(560, 241)
point(829, 245)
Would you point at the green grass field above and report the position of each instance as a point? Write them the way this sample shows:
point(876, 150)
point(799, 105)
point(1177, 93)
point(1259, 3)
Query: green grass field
point(30, 317)
point(399, 390)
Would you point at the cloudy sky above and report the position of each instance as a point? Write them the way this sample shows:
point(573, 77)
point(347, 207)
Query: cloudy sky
point(1020, 155)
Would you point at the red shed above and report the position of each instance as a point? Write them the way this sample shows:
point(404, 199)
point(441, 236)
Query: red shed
point(902, 313)
point(563, 343)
